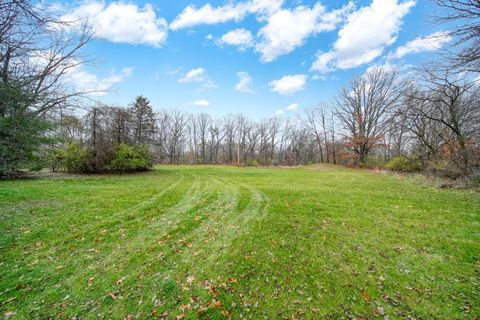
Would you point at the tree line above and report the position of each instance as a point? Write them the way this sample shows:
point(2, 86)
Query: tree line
point(429, 120)
point(432, 123)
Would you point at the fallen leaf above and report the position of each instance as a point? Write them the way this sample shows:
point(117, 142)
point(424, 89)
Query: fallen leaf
point(184, 307)
point(190, 279)
point(365, 296)
point(226, 313)
point(216, 303)
point(180, 317)
point(113, 295)
point(58, 267)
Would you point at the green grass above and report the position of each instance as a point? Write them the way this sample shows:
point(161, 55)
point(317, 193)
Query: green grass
point(318, 242)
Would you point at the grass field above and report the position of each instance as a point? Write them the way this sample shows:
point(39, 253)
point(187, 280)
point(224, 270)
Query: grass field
point(318, 242)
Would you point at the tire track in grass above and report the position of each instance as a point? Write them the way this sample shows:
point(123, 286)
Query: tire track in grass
point(82, 255)
point(215, 194)
point(205, 261)
point(147, 235)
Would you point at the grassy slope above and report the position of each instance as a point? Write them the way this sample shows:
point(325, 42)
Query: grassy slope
point(311, 243)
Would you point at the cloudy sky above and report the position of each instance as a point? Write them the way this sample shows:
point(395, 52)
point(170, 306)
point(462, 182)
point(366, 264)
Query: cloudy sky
point(258, 57)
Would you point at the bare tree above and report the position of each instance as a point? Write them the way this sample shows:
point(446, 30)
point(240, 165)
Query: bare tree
point(464, 17)
point(448, 107)
point(365, 109)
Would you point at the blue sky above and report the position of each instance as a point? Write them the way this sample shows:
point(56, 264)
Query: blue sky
point(257, 57)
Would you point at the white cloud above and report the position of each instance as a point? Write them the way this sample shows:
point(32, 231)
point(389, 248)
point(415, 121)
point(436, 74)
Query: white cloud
point(244, 82)
point(288, 29)
point(289, 84)
point(292, 107)
point(194, 75)
point(85, 81)
point(201, 103)
point(120, 22)
point(238, 37)
point(198, 75)
point(192, 16)
point(430, 43)
point(365, 35)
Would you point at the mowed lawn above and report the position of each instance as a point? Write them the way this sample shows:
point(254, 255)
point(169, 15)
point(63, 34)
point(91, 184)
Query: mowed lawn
point(318, 242)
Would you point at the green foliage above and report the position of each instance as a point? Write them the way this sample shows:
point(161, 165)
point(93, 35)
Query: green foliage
point(21, 131)
point(404, 164)
point(55, 159)
point(76, 158)
point(372, 162)
point(130, 158)
point(253, 163)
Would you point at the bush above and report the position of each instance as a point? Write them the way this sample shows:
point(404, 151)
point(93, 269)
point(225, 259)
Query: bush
point(404, 164)
point(253, 163)
point(372, 162)
point(130, 159)
point(76, 158)
point(55, 159)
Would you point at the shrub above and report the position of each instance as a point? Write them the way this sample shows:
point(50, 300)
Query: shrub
point(55, 159)
point(129, 159)
point(76, 158)
point(253, 163)
point(404, 164)
point(372, 162)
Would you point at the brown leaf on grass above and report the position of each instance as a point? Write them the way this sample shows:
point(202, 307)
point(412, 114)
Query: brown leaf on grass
point(190, 279)
point(151, 219)
point(114, 295)
point(154, 313)
point(226, 313)
point(163, 315)
point(379, 312)
point(184, 307)
point(120, 282)
point(198, 218)
point(190, 245)
point(216, 303)
point(129, 317)
point(365, 296)
point(90, 281)
point(180, 316)
point(202, 310)
point(196, 253)
point(232, 280)
point(398, 248)
point(58, 267)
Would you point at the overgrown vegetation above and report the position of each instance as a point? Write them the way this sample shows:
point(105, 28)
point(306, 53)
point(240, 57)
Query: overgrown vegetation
point(318, 242)
point(404, 164)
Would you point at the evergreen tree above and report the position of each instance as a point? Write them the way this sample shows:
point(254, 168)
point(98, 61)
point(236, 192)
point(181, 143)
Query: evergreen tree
point(143, 120)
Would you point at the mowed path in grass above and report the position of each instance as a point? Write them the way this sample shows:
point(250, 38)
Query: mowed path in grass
point(319, 242)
